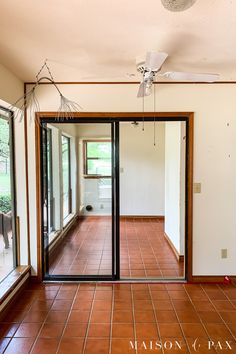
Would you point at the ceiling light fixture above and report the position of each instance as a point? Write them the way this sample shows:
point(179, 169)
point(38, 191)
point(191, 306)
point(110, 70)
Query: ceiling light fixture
point(135, 124)
point(30, 102)
point(178, 5)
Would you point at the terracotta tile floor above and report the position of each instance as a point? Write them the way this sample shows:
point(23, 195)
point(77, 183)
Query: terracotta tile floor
point(105, 318)
point(145, 253)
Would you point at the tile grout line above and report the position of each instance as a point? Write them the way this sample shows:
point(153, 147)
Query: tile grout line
point(231, 301)
point(21, 322)
point(58, 261)
point(156, 258)
point(129, 249)
point(225, 323)
point(145, 272)
point(111, 319)
point(104, 241)
point(40, 330)
point(127, 245)
point(134, 322)
point(66, 322)
point(180, 324)
point(201, 321)
point(155, 316)
point(82, 241)
point(89, 320)
point(76, 253)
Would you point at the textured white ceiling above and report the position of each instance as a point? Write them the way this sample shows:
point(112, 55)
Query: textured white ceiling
point(95, 40)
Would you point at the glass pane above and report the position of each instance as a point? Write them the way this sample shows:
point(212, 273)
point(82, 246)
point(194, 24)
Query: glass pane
point(6, 200)
point(50, 182)
point(99, 167)
point(66, 175)
point(99, 149)
point(84, 247)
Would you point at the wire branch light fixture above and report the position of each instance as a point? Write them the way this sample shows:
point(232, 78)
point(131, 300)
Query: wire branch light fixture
point(29, 101)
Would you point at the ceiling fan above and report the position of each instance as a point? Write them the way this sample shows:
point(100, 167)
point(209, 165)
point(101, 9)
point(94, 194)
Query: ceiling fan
point(150, 69)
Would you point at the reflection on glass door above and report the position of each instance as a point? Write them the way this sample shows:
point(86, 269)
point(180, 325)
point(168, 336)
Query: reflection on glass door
point(79, 179)
point(50, 182)
point(7, 195)
point(66, 175)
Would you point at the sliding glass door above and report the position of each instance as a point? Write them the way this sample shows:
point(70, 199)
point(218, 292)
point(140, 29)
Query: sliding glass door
point(66, 175)
point(7, 195)
point(120, 197)
point(79, 158)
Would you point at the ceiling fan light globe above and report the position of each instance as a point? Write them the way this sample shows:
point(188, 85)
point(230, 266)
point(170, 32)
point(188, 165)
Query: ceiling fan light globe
point(178, 5)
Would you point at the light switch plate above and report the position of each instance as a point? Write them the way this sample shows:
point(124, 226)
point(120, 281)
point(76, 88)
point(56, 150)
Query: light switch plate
point(197, 188)
point(224, 253)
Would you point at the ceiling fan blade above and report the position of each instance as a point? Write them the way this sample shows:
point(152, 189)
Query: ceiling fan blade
point(144, 89)
point(185, 76)
point(155, 60)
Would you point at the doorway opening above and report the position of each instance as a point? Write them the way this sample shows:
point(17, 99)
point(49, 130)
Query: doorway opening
point(152, 199)
point(114, 205)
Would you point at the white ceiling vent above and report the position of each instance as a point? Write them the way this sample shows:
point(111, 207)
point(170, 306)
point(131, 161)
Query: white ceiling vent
point(177, 5)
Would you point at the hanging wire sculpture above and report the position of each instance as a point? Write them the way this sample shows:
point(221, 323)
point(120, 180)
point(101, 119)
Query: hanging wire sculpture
point(30, 104)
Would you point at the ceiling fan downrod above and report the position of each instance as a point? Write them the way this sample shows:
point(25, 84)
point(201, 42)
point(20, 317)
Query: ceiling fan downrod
point(177, 5)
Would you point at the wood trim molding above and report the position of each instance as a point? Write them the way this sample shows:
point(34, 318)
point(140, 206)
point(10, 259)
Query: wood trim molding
point(189, 183)
point(61, 235)
point(14, 296)
point(11, 281)
point(163, 116)
point(119, 115)
point(131, 83)
point(38, 202)
point(18, 238)
point(179, 257)
point(211, 278)
point(27, 174)
point(155, 217)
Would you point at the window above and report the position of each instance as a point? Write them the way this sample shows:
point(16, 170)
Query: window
point(66, 175)
point(7, 195)
point(97, 158)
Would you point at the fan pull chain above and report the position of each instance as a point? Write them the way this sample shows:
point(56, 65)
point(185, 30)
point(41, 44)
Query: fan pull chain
point(154, 120)
point(143, 107)
point(143, 114)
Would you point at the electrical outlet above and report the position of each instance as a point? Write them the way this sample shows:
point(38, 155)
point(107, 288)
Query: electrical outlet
point(101, 206)
point(197, 188)
point(224, 253)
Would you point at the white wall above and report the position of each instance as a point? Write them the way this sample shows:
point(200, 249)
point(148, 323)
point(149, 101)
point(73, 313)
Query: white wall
point(11, 88)
point(138, 156)
point(89, 189)
point(68, 130)
point(142, 168)
point(174, 184)
point(214, 222)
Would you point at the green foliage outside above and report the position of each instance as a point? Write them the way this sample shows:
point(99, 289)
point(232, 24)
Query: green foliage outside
point(99, 150)
point(99, 158)
point(5, 203)
point(4, 139)
point(5, 179)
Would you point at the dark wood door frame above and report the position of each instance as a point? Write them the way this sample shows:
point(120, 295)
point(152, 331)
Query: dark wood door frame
point(188, 117)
